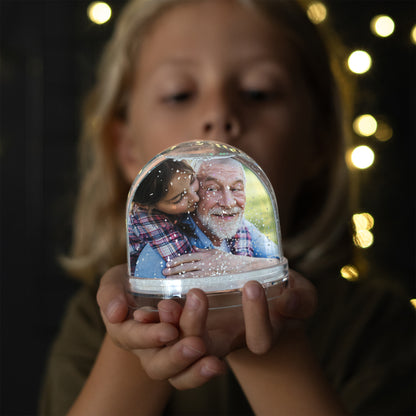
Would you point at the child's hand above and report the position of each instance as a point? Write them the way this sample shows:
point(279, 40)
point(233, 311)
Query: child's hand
point(201, 339)
point(112, 298)
point(148, 337)
point(223, 331)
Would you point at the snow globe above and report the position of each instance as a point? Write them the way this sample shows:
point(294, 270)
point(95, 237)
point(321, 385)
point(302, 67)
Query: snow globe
point(202, 214)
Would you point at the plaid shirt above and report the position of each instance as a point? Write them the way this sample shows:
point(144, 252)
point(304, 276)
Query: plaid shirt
point(158, 231)
point(162, 234)
point(240, 244)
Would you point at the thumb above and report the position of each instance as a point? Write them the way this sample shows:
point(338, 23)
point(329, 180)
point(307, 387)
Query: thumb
point(299, 300)
point(111, 295)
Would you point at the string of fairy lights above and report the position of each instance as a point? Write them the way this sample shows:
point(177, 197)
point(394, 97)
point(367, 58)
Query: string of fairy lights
point(359, 62)
point(360, 157)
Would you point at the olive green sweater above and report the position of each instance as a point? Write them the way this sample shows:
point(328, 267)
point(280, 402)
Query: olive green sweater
point(363, 335)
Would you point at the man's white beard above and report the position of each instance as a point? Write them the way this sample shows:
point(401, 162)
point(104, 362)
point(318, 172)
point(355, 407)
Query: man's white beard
point(223, 229)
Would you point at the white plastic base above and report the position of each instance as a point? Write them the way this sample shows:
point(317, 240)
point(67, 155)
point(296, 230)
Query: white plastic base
point(223, 291)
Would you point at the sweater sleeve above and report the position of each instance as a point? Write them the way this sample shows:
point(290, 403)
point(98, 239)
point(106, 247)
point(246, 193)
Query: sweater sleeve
point(72, 354)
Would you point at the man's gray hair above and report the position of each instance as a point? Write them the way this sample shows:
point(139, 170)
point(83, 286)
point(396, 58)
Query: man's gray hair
point(229, 161)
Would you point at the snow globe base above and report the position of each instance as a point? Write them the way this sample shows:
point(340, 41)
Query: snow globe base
point(148, 293)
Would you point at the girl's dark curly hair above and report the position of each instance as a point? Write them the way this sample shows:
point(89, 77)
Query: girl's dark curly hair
point(155, 185)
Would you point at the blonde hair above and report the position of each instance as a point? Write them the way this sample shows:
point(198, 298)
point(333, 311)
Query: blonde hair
point(99, 223)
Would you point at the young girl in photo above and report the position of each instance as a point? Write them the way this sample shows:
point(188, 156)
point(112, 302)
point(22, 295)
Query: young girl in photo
point(160, 204)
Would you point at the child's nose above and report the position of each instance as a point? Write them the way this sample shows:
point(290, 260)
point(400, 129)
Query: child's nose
point(219, 118)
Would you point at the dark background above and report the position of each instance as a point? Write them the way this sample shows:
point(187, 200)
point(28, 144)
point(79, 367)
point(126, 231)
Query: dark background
point(48, 54)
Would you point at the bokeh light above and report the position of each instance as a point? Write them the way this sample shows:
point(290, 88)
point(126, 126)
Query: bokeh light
point(384, 131)
point(362, 157)
point(365, 125)
point(317, 12)
point(413, 35)
point(350, 272)
point(363, 238)
point(99, 12)
point(382, 26)
point(363, 221)
point(359, 62)
point(413, 302)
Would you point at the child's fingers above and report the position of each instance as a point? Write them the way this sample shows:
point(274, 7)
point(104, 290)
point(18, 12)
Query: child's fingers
point(194, 314)
point(298, 301)
point(297, 304)
point(132, 335)
point(199, 373)
point(169, 311)
point(146, 315)
point(111, 295)
point(259, 331)
point(168, 362)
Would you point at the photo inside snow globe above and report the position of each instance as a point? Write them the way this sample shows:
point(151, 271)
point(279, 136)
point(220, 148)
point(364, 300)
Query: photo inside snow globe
point(202, 214)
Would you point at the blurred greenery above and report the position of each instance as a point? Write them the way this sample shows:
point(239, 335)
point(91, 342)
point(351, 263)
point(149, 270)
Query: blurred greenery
point(259, 208)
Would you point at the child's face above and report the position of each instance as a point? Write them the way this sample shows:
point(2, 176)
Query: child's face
point(182, 195)
point(214, 70)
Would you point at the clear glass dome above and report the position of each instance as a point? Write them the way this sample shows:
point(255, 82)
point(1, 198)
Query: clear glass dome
point(202, 214)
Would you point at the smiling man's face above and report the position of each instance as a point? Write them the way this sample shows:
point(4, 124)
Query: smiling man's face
point(222, 198)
